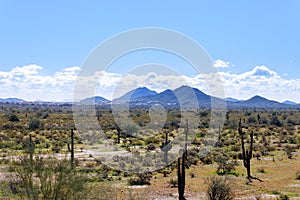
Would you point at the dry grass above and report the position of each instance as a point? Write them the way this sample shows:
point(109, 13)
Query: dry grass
point(279, 177)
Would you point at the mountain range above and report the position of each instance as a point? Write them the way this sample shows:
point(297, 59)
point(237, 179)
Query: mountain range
point(12, 100)
point(187, 96)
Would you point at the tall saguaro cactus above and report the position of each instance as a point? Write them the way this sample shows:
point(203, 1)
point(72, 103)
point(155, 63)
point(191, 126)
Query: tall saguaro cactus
point(247, 154)
point(166, 147)
point(30, 148)
point(181, 166)
point(71, 148)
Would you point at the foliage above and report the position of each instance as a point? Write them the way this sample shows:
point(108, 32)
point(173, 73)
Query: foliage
point(141, 179)
point(251, 120)
point(130, 129)
point(225, 164)
point(13, 118)
point(48, 179)
point(35, 124)
point(152, 139)
point(298, 175)
point(219, 189)
point(275, 120)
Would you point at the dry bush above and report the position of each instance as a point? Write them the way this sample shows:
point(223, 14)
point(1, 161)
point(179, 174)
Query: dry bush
point(219, 188)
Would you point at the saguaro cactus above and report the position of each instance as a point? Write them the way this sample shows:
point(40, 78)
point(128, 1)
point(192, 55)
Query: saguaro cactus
point(247, 154)
point(181, 166)
point(166, 147)
point(119, 134)
point(29, 147)
point(71, 148)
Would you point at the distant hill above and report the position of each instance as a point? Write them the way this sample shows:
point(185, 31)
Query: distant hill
point(187, 96)
point(184, 96)
point(166, 97)
point(259, 102)
point(229, 99)
point(136, 93)
point(96, 100)
point(289, 102)
point(12, 100)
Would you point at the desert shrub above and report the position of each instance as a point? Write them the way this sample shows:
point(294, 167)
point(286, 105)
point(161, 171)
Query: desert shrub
point(275, 120)
point(136, 142)
point(247, 113)
point(42, 178)
point(283, 197)
point(130, 129)
point(264, 120)
point(261, 170)
point(151, 147)
point(141, 179)
point(219, 189)
point(290, 121)
point(251, 120)
point(288, 151)
point(35, 124)
point(225, 164)
point(203, 113)
point(152, 139)
point(206, 160)
point(173, 182)
point(298, 175)
point(13, 118)
point(45, 115)
point(235, 148)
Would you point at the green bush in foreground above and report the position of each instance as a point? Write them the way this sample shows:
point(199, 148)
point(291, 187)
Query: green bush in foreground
point(41, 178)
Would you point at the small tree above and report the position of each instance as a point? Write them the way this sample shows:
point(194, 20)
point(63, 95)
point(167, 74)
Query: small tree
point(225, 164)
point(219, 189)
point(275, 120)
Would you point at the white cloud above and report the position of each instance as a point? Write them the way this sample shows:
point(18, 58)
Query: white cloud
point(29, 83)
point(261, 81)
point(221, 64)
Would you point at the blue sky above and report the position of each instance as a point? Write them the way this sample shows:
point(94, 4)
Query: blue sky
point(57, 35)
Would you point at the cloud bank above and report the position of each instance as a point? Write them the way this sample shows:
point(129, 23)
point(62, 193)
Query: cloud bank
point(30, 83)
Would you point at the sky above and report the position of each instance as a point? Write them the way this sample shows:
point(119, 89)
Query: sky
point(254, 44)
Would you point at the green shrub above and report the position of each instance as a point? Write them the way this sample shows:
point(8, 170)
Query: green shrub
point(35, 124)
point(42, 178)
point(152, 139)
